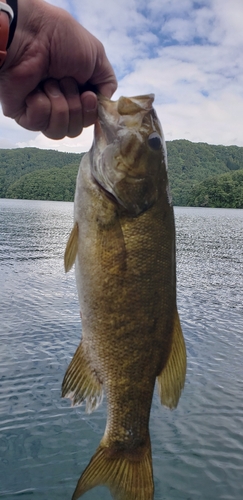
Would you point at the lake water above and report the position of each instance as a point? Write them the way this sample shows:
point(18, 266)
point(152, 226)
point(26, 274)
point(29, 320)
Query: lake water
point(45, 444)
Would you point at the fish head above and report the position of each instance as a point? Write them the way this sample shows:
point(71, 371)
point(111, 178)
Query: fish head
point(128, 156)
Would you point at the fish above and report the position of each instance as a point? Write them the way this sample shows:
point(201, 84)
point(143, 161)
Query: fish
point(123, 247)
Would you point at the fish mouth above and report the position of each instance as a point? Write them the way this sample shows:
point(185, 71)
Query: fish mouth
point(119, 151)
point(127, 105)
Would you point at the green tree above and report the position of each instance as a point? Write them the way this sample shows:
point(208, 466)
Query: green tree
point(54, 184)
point(190, 164)
point(222, 191)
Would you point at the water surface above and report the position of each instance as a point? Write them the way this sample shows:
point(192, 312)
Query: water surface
point(45, 444)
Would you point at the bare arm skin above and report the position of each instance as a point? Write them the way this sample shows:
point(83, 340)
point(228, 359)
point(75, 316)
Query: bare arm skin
point(49, 60)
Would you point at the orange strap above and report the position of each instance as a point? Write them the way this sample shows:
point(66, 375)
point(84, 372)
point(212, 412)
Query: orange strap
point(4, 33)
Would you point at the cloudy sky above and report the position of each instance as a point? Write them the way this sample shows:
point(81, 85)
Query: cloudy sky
point(188, 53)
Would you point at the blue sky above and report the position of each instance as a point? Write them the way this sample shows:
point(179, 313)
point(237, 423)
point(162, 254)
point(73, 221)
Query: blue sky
point(189, 53)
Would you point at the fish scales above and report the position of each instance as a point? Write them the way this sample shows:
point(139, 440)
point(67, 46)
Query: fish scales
point(123, 245)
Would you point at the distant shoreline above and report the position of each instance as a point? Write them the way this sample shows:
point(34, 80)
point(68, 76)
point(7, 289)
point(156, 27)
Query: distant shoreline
point(200, 174)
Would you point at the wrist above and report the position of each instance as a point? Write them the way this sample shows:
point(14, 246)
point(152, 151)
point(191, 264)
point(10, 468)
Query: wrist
point(28, 22)
point(6, 18)
point(13, 4)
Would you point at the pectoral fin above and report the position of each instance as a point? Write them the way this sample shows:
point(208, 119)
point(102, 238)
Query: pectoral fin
point(71, 248)
point(80, 382)
point(172, 378)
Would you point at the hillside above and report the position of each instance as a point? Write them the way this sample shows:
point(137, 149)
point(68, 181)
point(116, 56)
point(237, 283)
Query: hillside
point(191, 163)
point(222, 191)
point(52, 184)
point(33, 173)
point(15, 163)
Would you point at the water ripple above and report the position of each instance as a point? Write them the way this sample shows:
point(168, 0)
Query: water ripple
point(44, 444)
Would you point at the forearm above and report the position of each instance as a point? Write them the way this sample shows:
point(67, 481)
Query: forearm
point(29, 22)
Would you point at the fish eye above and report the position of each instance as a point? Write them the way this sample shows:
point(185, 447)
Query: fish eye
point(154, 141)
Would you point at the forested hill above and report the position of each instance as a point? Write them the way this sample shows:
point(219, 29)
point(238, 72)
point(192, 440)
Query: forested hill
point(196, 172)
point(191, 163)
point(28, 173)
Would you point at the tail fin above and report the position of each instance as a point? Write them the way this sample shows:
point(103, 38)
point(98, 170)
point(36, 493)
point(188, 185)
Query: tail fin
point(128, 476)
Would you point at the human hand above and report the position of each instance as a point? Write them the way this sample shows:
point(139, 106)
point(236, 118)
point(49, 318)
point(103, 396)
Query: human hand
point(49, 62)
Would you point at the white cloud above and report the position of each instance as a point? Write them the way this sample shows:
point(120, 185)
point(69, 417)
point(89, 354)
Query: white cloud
point(188, 121)
point(64, 4)
point(6, 143)
point(194, 25)
point(121, 26)
point(11, 133)
point(77, 145)
point(229, 26)
point(188, 53)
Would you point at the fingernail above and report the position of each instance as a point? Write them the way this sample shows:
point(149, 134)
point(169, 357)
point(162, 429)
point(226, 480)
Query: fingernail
point(90, 104)
point(53, 88)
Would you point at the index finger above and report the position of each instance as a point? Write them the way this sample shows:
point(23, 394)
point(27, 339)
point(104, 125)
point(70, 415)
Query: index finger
point(103, 77)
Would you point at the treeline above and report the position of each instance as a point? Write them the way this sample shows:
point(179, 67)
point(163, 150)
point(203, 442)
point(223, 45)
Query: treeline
point(222, 191)
point(16, 163)
point(56, 184)
point(200, 174)
point(192, 163)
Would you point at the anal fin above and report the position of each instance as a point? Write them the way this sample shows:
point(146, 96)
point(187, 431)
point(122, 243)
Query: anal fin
point(172, 378)
point(80, 382)
point(71, 248)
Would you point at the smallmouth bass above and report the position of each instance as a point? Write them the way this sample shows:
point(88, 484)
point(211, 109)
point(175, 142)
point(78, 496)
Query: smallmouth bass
point(123, 246)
